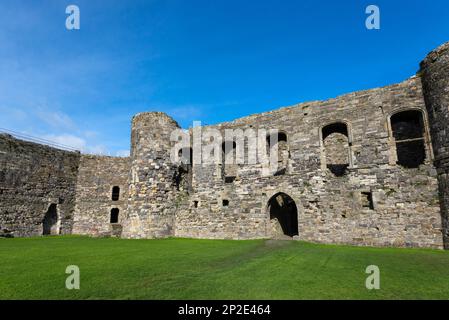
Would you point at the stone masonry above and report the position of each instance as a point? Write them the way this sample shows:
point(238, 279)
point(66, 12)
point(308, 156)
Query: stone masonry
point(434, 73)
point(32, 179)
point(97, 176)
point(366, 168)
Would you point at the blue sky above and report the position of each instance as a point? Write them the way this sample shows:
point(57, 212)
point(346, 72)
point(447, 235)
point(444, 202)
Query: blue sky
point(212, 61)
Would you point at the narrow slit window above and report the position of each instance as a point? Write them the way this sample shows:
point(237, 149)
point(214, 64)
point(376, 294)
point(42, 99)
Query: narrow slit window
point(115, 193)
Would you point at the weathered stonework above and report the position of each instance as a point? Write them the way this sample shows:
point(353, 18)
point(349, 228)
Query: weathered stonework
point(434, 72)
point(32, 179)
point(330, 209)
point(366, 168)
point(97, 176)
point(152, 192)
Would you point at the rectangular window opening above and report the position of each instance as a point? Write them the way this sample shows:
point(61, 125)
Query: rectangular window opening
point(229, 179)
point(367, 200)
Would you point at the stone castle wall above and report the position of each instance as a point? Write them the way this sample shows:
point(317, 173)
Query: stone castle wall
point(97, 176)
point(34, 177)
point(405, 205)
point(152, 192)
point(366, 168)
point(434, 72)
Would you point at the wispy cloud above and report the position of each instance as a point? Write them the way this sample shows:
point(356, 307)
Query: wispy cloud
point(76, 142)
point(122, 153)
point(79, 88)
point(54, 126)
point(67, 140)
point(56, 119)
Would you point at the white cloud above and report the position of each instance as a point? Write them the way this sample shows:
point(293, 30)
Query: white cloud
point(67, 140)
point(97, 149)
point(122, 153)
point(75, 142)
point(55, 119)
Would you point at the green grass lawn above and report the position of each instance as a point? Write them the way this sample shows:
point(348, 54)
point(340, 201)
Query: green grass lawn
point(215, 269)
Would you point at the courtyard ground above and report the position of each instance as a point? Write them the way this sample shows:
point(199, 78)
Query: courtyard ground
point(215, 269)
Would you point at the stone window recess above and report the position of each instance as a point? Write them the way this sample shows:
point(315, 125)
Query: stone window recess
point(229, 179)
point(336, 147)
point(225, 203)
point(114, 215)
point(185, 156)
point(195, 204)
point(409, 136)
point(367, 200)
point(283, 151)
point(229, 166)
point(115, 193)
point(182, 178)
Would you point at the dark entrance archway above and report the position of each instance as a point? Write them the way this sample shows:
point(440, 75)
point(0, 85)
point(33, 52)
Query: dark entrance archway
point(283, 215)
point(50, 222)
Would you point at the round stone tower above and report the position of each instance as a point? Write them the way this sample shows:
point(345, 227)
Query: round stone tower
point(435, 79)
point(151, 201)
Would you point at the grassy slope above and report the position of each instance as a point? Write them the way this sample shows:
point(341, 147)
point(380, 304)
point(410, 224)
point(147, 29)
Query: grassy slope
point(206, 269)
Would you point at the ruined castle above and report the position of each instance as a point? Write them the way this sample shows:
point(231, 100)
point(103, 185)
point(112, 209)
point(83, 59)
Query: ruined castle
point(366, 168)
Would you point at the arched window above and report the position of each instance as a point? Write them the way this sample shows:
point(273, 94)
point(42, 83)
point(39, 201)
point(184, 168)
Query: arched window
point(114, 215)
point(337, 148)
point(115, 193)
point(279, 139)
point(408, 132)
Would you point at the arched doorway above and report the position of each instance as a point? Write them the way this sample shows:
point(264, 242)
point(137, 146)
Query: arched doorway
point(50, 222)
point(283, 216)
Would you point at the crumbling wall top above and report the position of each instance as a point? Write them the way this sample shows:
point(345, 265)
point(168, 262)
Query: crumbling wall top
point(152, 118)
point(436, 54)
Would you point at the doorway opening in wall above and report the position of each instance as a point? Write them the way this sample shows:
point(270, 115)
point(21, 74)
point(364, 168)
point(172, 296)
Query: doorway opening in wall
point(50, 223)
point(283, 216)
point(114, 215)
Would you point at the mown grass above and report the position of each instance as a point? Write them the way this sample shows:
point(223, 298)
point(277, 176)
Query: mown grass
point(215, 269)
